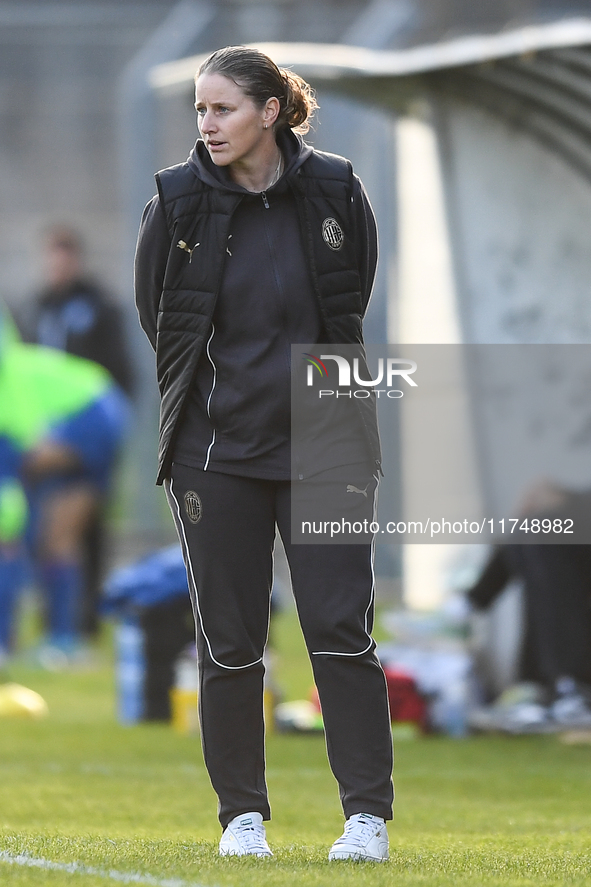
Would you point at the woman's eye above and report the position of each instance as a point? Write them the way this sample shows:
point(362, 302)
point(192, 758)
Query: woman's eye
point(221, 109)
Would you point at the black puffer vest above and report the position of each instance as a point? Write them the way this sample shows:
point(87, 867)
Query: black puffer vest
point(199, 218)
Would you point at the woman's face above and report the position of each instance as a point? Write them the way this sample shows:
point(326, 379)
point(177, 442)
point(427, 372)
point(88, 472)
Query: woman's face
point(230, 124)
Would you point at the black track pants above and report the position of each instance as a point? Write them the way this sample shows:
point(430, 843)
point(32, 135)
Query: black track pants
point(228, 548)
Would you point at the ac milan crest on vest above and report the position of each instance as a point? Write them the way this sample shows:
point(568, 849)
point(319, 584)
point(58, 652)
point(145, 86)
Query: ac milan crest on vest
point(332, 233)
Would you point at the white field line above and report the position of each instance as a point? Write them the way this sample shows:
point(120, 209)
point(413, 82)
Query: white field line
point(76, 868)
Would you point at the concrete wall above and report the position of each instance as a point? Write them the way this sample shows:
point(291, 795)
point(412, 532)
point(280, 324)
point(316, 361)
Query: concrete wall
point(59, 69)
point(520, 220)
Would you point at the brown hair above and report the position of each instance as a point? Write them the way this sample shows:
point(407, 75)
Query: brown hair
point(260, 78)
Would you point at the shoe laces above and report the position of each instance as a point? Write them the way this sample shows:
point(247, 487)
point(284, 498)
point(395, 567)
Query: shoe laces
point(360, 829)
point(251, 836)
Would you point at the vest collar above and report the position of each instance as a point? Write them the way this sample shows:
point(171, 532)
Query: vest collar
point(294, 149)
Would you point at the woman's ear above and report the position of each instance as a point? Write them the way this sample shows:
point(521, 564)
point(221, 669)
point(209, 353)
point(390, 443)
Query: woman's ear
point(271, 112)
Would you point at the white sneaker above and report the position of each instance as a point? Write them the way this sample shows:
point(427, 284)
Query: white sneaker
point(572, 711)
point(365, 837)
point(572, 704)
point(245, 836)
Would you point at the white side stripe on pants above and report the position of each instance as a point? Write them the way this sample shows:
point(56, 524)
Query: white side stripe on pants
point(372, 591)
point(176, 513)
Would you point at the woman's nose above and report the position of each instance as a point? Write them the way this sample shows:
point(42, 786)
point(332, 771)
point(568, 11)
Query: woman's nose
point(207, 122)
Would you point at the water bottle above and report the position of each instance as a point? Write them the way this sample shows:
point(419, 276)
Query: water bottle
point(131, 671)
point(184, 694)
point(453, 712)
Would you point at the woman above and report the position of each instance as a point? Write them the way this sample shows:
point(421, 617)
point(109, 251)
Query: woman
point(254, 243)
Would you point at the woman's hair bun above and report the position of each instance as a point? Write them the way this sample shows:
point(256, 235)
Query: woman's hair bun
point(300, 102)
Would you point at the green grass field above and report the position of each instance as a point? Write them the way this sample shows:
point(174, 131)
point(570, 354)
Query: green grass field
point(123, 802)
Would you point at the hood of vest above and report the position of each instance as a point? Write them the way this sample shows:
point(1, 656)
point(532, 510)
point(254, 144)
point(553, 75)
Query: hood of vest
point(294, 149)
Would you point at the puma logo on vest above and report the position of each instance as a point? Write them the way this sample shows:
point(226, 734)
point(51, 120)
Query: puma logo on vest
point(353, 489)
point(182, 245)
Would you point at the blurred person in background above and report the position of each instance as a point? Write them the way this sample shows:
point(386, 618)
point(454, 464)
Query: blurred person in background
point(256, 243)
point(73, 314)
point(62, 419)
point(555, 651)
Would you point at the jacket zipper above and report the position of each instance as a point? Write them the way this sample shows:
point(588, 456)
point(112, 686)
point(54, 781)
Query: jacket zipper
point(265, 201)
point(166, 458)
